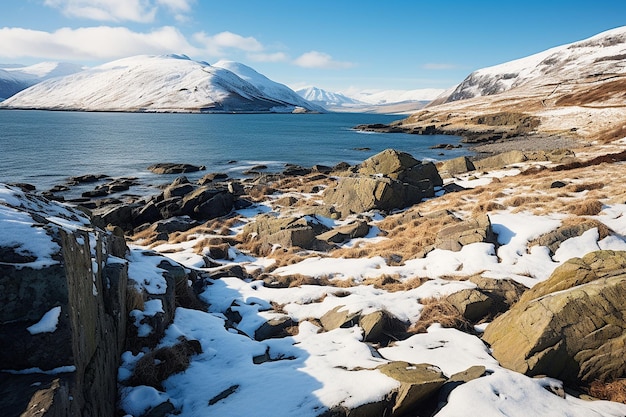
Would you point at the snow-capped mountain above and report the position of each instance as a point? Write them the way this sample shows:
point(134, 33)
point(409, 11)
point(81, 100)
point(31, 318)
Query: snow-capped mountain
point(370, 101)
point(382, 97)
point(165, 83)
point(326, 98)
point(604, 53)
point(264, 84)
point(15, 78)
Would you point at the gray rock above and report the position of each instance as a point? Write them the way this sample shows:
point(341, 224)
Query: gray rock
point(339, 317)
point(418, 382)
point(569, 327)
point(346, 232)
point(386, 181)
point(471, 303)
point(455, 166)
point(474, 230)
point(174, 168)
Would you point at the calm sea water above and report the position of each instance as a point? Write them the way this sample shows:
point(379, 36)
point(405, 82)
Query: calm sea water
point(45, 148)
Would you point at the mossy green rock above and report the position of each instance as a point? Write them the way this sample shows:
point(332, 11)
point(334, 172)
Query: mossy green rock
point(572, 326)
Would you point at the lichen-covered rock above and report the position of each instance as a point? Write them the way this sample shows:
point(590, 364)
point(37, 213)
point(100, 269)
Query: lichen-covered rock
point(570, 326)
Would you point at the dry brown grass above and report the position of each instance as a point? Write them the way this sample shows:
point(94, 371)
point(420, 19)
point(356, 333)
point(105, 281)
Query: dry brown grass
point(293, 280)
point(394, 283)
point(611, 391)
point(588, 207)
point(260, 192)
point(439, 310)
point(134, 299)
point(409, 236)
point(586, 186)
point(156, 366)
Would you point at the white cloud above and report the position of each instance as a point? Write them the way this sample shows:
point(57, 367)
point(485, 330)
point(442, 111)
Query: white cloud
point(143, 11)
point(107, 10)
point(92, 43)
point(315, 59)
point(108, 43)
point(177, 5)
point(269, 57)
point(215, 44)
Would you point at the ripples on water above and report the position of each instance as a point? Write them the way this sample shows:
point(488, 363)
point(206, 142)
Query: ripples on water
point(45, 148)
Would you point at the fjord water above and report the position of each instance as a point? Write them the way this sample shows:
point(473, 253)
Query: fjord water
point(44, 148)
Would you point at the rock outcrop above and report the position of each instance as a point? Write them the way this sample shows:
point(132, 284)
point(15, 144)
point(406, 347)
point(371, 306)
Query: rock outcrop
point(62, 310)
point(571, 326)
point(386, 181)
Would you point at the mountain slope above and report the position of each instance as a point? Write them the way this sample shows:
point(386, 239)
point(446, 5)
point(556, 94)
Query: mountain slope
point(387, 101)
point(167, 83)
point(326, 98)
point(264, 84)
point(14, 79)
point(576, 91)
point(604, 53)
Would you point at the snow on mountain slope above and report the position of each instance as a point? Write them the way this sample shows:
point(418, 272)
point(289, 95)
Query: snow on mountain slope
point(397, 96)
point(388, 102)
point(604, 53)
point(15, 78)
point(326, 98)
point(264, 84)
point(166, 83)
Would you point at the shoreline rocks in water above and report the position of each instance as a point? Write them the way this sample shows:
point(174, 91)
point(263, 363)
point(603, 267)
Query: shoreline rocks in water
point(174, 168)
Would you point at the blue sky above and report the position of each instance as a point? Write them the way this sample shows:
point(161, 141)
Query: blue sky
point(338, 45)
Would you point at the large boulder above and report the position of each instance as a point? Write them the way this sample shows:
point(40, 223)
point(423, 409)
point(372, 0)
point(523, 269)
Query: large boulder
point(401, 166)
point(386, 181)
point(570, 326)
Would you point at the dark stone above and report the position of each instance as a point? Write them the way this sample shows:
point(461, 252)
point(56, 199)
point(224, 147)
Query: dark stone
point(146, 214)
point(174, 168)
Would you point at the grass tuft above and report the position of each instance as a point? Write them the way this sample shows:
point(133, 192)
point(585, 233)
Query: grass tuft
point(439, 310)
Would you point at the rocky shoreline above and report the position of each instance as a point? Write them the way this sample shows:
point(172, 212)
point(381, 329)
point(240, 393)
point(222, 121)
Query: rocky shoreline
point(392, 210)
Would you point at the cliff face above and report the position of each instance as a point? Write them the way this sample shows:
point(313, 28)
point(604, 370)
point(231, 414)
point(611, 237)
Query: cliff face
point(62, 310)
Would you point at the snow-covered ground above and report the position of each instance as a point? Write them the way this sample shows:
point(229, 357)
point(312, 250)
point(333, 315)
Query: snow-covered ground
point(315, 370)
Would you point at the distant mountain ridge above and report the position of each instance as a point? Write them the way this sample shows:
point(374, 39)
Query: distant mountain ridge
point(164, 83)
point(378, 101)
point(326, 98)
